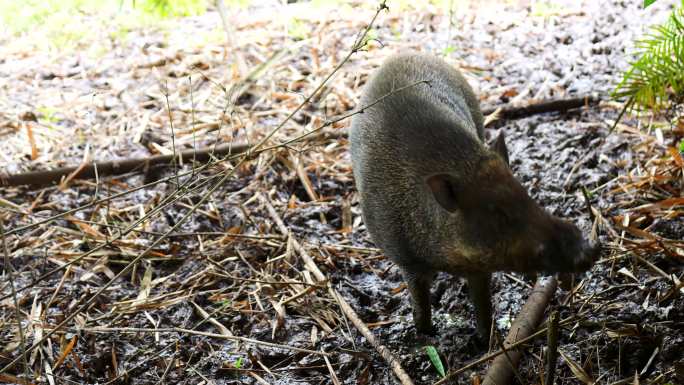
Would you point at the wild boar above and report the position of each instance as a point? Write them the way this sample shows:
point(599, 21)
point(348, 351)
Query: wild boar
point(435, 198)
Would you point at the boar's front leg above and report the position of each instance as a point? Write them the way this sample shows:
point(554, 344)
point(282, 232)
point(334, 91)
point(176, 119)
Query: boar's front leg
point(478, 287)
point(419, 287)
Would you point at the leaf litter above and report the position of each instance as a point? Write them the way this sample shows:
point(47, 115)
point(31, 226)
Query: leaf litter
point(225, 297)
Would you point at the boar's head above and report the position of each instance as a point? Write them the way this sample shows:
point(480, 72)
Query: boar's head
point(497, 226)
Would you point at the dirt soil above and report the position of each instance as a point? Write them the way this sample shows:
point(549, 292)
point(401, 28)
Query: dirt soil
point(226, 271)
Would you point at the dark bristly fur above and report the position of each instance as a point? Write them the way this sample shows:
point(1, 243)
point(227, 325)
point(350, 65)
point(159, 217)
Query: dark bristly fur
point(435, 198)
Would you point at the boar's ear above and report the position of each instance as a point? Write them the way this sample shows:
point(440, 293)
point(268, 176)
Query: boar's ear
point(444, 187)
point(499, 146)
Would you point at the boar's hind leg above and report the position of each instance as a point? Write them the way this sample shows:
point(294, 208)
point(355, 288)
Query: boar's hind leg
point(419, 287)
point(478, 286)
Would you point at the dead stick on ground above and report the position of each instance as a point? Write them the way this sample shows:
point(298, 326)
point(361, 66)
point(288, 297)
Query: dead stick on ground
point(118, 167)
point(384, 352)
point(228, 27)
point(552, 348)
point(123, 166)
point(558, 105)
point(525, 323)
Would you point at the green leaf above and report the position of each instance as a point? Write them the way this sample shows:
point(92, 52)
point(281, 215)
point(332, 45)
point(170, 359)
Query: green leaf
point(655, 79)
point(681, 146)
point(434, 358)
point(648, 2)
point(238, 363)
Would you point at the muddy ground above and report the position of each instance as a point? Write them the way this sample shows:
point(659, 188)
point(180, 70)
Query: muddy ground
point(228, 270)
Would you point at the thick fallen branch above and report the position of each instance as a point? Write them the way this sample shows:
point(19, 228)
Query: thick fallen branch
point(119, 167)
point(525, 323)
point(521, 341)
point(559, 105)
point(348, 311)
point(203, 155)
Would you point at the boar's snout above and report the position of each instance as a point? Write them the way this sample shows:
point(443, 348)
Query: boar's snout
point(567, 251)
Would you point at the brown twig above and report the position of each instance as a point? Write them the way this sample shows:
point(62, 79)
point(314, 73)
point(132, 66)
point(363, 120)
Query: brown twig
point(502, 368)
point(348, 311)
point(552, 348)
point(227, 27)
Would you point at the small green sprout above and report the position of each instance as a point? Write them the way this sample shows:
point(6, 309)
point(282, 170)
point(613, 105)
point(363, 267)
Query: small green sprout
point(433, 355)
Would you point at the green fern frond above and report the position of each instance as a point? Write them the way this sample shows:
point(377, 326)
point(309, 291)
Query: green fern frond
point(656, 78)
